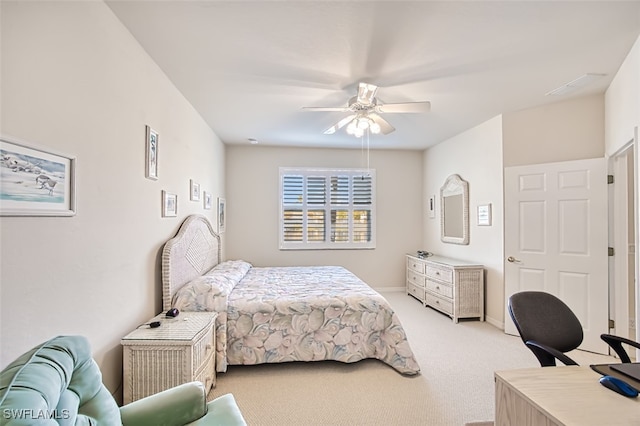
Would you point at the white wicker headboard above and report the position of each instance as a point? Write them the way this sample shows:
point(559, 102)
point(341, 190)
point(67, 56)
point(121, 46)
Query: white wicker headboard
point(192, 252)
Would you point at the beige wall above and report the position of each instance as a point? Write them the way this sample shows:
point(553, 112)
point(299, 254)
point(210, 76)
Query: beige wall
point(566, 130)
point(622, 103)
point(75, 81)
point(253, 197)
point(475, 155)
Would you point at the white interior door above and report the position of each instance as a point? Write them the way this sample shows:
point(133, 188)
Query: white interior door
point(556, 239)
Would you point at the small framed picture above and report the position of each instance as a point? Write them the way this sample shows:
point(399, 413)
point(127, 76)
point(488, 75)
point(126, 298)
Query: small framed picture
point(432, 206)
point(222, 206)
point(195, 191)
point(35, 181)
point(484, 215)
point(169, 204)
point(207, 200)
point(151, 167)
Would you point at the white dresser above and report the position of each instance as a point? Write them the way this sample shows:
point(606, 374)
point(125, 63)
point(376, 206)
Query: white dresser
point(451, 286)
point(181, 350)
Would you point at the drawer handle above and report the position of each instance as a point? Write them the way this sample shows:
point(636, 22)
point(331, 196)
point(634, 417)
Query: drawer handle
point(438, 287)
point(437, 273)
point(437, 302)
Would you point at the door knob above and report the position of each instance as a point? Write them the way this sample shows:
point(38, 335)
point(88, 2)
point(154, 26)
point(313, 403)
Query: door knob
point(512, 259)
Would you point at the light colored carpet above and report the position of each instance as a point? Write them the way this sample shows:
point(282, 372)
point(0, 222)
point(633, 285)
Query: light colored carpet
point(456, 385)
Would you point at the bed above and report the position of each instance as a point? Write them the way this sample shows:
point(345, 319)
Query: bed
point(280, 314)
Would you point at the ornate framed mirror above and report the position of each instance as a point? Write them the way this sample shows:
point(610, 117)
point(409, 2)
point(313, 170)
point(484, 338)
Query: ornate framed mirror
point(454, 211)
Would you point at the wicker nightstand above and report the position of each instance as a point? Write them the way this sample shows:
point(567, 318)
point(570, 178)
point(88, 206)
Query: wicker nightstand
point(181, 350)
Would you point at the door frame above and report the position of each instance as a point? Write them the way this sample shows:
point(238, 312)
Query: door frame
point(636, 138)
point(619, 240)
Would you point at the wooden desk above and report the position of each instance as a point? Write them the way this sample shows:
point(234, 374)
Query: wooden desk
point(564, 395)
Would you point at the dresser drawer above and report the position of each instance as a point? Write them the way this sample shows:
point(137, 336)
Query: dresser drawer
point(415, 291)
point(439, 288)
point(202, 347)
point(443, 305)
point(414, 265)
point(441, 274)
point(207, 374)
point(415, 278)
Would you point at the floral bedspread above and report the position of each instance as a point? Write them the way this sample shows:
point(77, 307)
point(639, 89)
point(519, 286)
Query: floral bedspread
point(282, 314)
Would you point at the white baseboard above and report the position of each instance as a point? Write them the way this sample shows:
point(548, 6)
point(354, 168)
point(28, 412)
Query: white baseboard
point(390, 289)
point(494, 322)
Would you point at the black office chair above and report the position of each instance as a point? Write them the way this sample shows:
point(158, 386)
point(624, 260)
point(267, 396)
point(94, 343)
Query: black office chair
point(549, 328)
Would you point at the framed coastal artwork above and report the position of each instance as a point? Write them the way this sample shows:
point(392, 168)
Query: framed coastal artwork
point(484, 215)
point(194, 190)
point(35, 181)
point(222, 207)
point(207, 200)
point(151, 153)
point(169, 204)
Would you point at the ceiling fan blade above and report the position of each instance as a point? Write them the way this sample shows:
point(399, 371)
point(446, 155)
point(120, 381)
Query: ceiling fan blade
point(330, 109)
point(411, 107)
point(339, 125)
point(366, 93)
point(385, 126)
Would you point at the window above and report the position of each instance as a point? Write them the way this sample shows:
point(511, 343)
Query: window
point(327, 209)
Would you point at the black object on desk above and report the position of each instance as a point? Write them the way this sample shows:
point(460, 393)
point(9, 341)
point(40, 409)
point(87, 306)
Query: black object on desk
point(631, 369)
point(608, 370)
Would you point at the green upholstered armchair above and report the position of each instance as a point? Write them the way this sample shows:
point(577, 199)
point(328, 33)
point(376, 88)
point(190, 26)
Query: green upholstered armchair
point(58, 382)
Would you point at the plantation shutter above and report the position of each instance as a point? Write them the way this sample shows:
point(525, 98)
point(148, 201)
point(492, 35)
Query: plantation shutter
point(316, 200)
point(293, 191)
point(327, 208)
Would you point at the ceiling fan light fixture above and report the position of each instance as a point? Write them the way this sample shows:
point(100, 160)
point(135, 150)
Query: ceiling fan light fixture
point(364, 111)
point(352, 127)
point(362, 123)
point(357, 132)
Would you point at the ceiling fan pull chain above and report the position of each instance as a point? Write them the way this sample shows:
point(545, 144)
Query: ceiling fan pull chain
point(362, 156)
point(367, 151)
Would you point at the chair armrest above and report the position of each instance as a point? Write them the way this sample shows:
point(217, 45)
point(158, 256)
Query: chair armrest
point(547, 355)
point(176, 406)
point(616, 344)
point(222, 411)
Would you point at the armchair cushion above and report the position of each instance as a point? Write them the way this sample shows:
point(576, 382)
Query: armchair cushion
point(56, 382)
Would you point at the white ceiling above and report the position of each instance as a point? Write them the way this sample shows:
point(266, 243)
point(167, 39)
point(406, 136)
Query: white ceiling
point(249, 66)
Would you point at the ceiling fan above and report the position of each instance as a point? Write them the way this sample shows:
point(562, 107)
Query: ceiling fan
point(365, 112)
